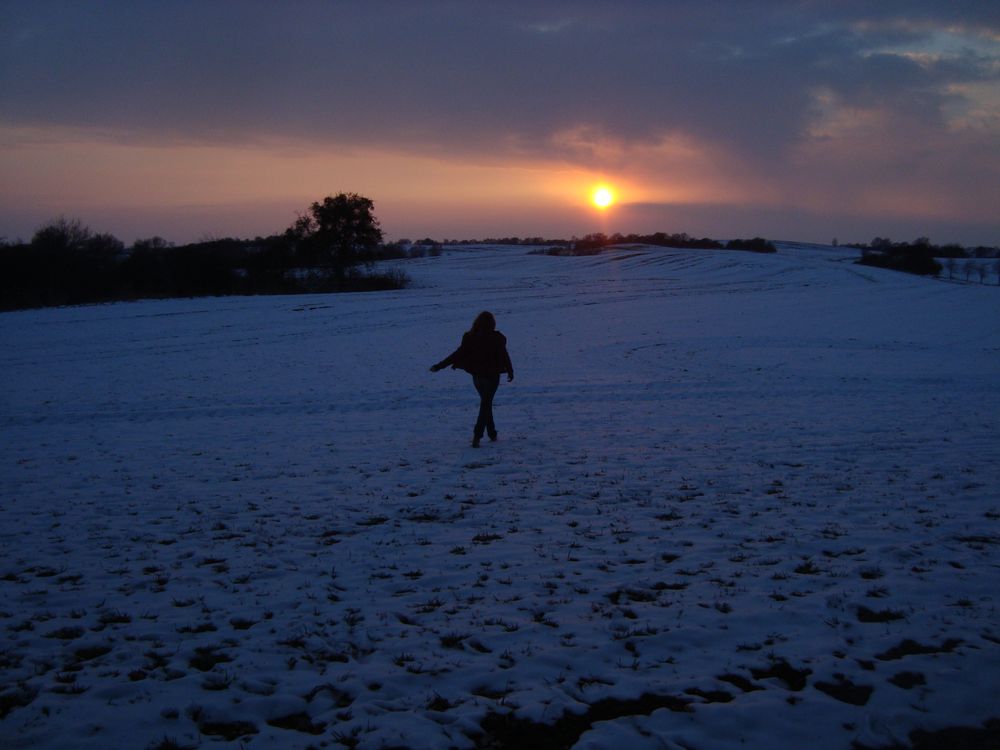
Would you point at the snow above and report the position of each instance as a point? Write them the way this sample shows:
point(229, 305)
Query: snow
point(759, 490)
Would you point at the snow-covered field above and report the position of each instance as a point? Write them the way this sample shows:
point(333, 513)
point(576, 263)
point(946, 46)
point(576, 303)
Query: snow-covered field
point(737, 501)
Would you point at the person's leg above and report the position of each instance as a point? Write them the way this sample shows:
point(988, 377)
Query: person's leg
point(486, 386)
point(477, 431)
point(491, 428)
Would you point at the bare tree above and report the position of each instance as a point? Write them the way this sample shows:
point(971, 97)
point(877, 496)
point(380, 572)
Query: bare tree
point(950, 264)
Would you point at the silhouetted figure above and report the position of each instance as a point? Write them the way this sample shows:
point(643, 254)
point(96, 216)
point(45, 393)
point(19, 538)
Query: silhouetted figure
point(483, 354)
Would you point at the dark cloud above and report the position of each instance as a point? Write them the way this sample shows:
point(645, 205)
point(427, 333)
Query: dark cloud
point(453, 75)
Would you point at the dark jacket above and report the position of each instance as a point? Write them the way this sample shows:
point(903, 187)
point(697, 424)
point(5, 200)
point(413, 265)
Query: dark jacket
point(481, 354)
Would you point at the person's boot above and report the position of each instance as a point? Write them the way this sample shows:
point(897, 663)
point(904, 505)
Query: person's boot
point(475, 441)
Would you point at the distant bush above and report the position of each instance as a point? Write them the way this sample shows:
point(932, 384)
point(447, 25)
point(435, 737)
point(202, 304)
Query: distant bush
point(912, 257)
point(756, 245)
point(571, 250)
point(391, 251)
point(680, 240)
point(951, 250)
point(556, 250)
point(369, 281)
point(423, 248)
point(593, 244)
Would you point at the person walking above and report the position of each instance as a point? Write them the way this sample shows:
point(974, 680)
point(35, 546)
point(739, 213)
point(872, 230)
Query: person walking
point(482, 354)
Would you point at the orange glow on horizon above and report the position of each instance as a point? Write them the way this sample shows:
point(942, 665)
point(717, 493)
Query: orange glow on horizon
point(184, 191)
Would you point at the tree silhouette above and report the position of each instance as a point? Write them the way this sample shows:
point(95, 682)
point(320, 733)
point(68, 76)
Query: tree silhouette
point(69, 264)
point(340, 232)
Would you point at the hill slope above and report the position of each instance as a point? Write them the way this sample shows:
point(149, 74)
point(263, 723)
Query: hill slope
point(738, 500)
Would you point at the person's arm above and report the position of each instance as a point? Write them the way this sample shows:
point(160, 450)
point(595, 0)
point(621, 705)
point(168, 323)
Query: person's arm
point(506, 358)
point(450, 359)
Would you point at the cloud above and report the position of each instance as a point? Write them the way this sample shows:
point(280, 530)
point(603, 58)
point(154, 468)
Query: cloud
point(438, 74)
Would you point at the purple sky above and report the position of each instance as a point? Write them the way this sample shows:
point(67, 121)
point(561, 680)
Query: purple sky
point(791, 120)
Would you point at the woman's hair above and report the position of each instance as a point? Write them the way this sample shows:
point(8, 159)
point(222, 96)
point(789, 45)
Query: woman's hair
point(483, 323)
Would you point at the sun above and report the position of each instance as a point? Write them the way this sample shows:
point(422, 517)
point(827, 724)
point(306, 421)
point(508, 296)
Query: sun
point(602, 197)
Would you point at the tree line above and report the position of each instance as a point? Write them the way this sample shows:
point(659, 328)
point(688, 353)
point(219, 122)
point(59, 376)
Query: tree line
point(333, 246)
point(593, 244)
point(950, 250)
point(598, 240)
point(921, 256)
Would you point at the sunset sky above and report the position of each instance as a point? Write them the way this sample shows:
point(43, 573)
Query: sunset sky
point(463, 119)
